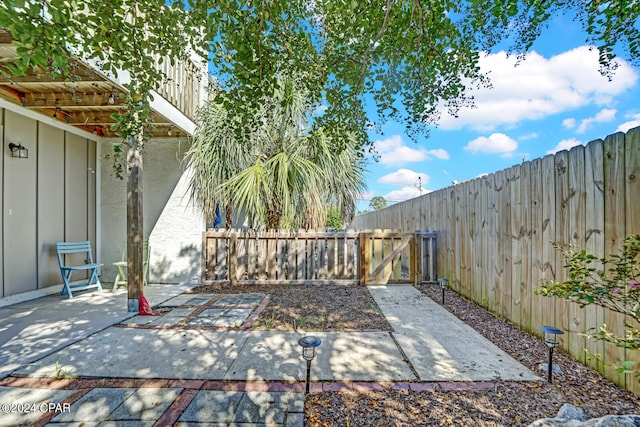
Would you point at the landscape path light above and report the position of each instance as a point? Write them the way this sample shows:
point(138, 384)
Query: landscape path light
point(550, 338)
point(443, 285)
point(309, 344)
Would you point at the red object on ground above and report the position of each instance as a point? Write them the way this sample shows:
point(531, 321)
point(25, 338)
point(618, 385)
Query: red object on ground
point(145, 308)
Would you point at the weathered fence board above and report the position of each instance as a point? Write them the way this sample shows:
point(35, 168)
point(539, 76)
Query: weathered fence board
point(548, 235)
point(478, 238)
point(563, 228)
point(537, 265)
point(576, 207)
point(587, 196)
point(614, 234)
point(492, 250)
point(515, 235)
point(507, 241)
point(594, 219)
point(632, 216)
point(526, 288)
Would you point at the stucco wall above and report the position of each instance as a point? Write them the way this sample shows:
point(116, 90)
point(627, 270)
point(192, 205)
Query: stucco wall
point(172, 226)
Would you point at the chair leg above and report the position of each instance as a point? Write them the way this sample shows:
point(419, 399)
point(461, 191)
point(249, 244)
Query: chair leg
point(121, 277)
point(94, 278)
point(116, 282)
point(66, 288)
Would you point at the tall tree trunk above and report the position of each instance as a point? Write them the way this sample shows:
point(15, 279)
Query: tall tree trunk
point(135, 230)
point(273, 218)
point(227, 217)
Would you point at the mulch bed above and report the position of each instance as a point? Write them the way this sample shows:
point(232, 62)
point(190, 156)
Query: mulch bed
point(312, 307)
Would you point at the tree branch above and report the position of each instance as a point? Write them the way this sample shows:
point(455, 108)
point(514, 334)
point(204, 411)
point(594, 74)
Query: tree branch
point(375, 40)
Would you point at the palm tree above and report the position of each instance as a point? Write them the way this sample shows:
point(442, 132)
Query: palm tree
point(283, 173)
point(214, 157)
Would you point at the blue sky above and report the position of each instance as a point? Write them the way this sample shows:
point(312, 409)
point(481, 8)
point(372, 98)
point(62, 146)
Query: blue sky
point(554, 99)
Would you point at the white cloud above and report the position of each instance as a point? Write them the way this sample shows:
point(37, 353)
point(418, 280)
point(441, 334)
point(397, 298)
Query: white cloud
point(439, 153)
point(605, 115)
point(404, 193)
point(626, 126)
point(565, 144)
point(569, 123)
point(404, 177)
point(496, 143)
point(393, 151)
point(539, 87)
point(532, 135)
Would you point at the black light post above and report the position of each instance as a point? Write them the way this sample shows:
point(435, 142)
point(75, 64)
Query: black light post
point(550, 338)
point(443, 286)
point(309, 345)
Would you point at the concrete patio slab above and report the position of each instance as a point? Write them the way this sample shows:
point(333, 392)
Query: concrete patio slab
point(342, 356)
point(251, 300)
point(96, 405)
point(439, 345)
point(227, 317)
point(145, 353)
point(24, 406)
point(239, 408)
point(148, 406)
point(263, 407)
point(225, 355)
point(145, 404)
point(34, 329)
point(188, 299)
point(212, 406)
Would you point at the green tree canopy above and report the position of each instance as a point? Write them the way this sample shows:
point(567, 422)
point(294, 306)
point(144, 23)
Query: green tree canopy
point(377, 202)
point(410, 53)
point(334, 218)
point(404, 52)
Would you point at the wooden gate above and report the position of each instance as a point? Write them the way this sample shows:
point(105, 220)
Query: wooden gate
point(388, 257)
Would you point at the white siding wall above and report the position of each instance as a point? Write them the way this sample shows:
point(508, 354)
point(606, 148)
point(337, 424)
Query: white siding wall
point(46, 199)
point(51, 196)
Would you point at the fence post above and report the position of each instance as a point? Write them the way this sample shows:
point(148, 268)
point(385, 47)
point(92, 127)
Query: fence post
point(203, 276)
point(233, 258)
point(364, 258)
point(418, 256)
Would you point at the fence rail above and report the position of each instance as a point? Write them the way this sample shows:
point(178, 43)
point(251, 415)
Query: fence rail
point(495, 237)
point(283, 257)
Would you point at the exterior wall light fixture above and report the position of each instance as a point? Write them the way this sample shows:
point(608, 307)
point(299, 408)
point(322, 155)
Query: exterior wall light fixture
point(18, 150)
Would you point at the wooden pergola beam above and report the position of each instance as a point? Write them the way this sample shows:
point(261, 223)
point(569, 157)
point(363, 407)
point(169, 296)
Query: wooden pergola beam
point(73, 100)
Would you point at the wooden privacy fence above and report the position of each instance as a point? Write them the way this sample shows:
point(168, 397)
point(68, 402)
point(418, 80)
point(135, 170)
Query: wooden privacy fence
point(283, 257)
point(495, 237)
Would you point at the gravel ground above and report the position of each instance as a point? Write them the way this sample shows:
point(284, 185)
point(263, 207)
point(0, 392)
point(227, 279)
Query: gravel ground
point(336, 307)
